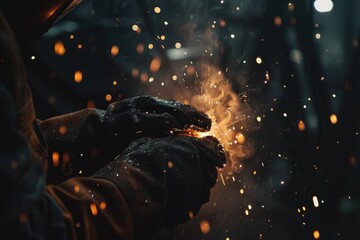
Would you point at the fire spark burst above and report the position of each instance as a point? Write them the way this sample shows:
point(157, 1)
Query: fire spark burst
point(219, 101)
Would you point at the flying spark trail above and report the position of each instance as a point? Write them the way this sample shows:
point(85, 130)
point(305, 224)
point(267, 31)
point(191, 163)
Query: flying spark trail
point(228, 114)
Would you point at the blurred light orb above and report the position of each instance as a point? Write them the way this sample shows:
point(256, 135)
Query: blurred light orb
point(323, 5)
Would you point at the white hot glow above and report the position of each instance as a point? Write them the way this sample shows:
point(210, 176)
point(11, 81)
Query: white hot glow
point(323, 5)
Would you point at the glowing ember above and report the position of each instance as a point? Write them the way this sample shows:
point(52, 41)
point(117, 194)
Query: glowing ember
point(114, 50)
point(59, 48)
point(301, 126)
point(315, 201)
point(204, 226)
point(333, 119)
point(190, 133)
point(316, 234)
point(240, 138)
point(77, 188)
point(103, 205)
point(78, 76)
point(155, 65)
point(93, 209)
point(62, 130)
point(55, 158)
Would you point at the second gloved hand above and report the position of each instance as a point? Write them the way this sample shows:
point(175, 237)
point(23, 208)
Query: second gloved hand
point(165, 180)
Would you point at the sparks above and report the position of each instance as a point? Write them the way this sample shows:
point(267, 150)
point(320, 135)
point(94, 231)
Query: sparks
point(190, 133)
point(223, 106)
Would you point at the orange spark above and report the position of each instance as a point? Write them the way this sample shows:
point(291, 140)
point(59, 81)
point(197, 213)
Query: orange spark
point(278, 21)
point(240, 138)
point(103, 205)
point(301, 126)
point(76, 188)
point(190, 133)
point(62, 130)
point(155, 65)
point(204, 226)
point(333, 119)
point(78, 76)
point(114, 50)
point(55, 158)
point(316, 234)
point(93, 209)
point(59, 48)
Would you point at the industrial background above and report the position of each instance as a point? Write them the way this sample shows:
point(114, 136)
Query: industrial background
point(294, 63)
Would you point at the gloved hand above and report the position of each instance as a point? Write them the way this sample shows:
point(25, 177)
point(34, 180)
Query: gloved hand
point(164, 179)
point(146, 116)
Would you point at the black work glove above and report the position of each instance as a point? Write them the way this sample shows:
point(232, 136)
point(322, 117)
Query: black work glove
point(146, 116)
point(165, 179)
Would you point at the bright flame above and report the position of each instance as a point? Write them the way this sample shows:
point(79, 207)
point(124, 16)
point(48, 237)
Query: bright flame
point(219, 101)
point(190, 133)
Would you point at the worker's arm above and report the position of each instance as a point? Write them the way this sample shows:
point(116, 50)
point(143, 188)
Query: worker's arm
point(18, 196)
point(26, 211)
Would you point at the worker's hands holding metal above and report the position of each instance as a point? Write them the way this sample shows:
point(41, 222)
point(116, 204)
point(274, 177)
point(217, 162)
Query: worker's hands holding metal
point(165, 176)
point(185, 165)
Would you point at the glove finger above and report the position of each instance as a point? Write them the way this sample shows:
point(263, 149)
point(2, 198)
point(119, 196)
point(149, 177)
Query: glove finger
point(203, 198)
point(119, 106)
point(201, 119)
point(156, 125)
point(184, 114)
point(138, 124)
point(131, 103)
point(209, 172)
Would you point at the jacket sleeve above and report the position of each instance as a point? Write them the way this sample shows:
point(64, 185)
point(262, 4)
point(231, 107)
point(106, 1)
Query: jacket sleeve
point(119, 202)
point(26, 210)
point(93, 209)
point(74, 144)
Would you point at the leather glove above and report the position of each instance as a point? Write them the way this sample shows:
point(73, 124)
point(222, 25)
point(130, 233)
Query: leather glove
point(164, 179)
point(146, 116)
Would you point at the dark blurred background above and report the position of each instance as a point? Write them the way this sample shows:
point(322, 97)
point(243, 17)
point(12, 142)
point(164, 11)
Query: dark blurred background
point(296, 63)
